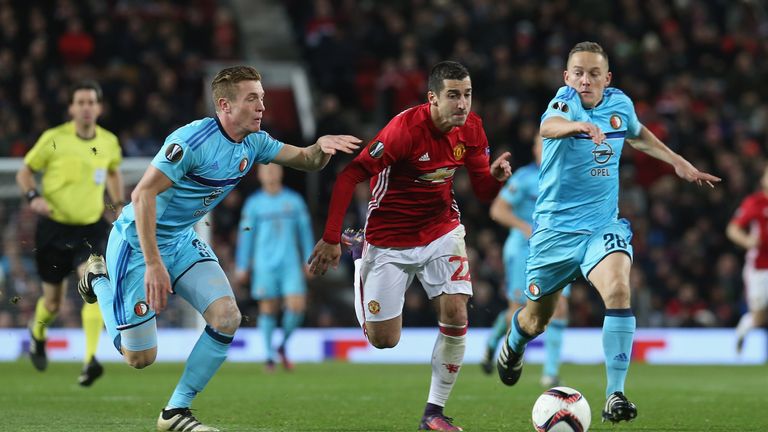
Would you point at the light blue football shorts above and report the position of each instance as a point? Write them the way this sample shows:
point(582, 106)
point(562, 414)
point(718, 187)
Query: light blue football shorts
point(288, 280)
point(516, 282)
point(557, 258)
point(194, 271)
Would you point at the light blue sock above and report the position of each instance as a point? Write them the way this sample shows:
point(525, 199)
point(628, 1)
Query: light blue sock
point(518, 338)
point(267, 324)
point(618, 332)
point(206, 357)
point(498, 330)
point(553, 343)
point(291, 321)
point(106, 296)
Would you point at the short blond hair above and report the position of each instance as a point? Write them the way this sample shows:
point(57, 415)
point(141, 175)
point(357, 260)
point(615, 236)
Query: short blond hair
point(223, 84)
point(587, 46)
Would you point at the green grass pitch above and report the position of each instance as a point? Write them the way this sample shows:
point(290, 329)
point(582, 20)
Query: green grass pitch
point(359, 397)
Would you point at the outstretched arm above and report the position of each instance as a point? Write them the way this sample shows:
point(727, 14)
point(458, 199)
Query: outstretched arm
point(327, 251)
point(317, 155)
point(560, 127)
point(648, 143)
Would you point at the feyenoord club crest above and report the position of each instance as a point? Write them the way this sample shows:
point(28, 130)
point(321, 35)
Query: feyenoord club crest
point(534, 289)
point(615, 121)
point(243, 164)
point(374, 307)
point(140, 308)
point(459, 150)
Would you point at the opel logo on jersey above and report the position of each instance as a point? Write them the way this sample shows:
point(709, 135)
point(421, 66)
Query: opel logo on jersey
point(615, 121)
point(173, 153)
point(243, 164)
point(141, 308)
point(212, 197)
point(459, 150)
point(602, 152)
point(376, 149)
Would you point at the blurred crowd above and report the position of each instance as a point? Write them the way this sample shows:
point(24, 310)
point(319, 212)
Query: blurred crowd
point(695, 71)
point(147, 55)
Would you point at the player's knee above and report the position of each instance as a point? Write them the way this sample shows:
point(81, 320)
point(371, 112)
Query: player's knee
point(140, 360)
point(227, 322)
point(384, 341)
point(454, 310)
point(617, 297)
point(455, 315)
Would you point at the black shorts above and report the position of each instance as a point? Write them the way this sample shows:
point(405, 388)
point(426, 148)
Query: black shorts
point(60, 248)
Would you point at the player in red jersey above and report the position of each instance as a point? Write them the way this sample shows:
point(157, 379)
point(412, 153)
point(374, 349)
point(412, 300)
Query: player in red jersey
point(413, 226)
point(749, 229)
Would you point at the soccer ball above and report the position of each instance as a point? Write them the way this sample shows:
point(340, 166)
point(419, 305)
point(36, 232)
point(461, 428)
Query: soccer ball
point(561, 409)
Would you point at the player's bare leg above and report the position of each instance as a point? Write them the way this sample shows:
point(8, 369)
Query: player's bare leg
point(611, 279)
point(384, 334)
point(447, 359)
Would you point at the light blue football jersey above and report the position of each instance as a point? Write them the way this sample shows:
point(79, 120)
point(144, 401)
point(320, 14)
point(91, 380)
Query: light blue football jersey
point(204, 164)
point(520, 192)
point(578, 180)
point(275, 232)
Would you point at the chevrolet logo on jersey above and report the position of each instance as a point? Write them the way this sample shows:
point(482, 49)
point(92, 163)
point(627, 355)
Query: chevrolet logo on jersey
point(602, 152)
point(437, 176)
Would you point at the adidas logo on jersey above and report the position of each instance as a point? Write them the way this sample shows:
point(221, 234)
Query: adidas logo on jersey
point(424, 157)
point(621, 357)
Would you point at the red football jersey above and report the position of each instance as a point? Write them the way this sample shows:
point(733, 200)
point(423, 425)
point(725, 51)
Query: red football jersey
point(753, 213)
point(411, 164)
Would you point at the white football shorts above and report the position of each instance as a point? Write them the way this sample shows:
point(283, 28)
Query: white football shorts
point(383, 274)
point(756, 287)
